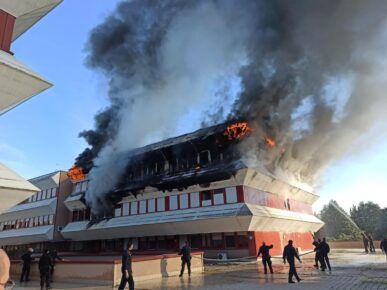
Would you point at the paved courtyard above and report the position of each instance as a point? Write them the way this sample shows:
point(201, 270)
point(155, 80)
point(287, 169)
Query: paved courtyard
point(351, 270)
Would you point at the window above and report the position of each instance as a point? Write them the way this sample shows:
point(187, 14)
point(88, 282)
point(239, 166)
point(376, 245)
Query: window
point(34, 197)
point(161, 243)
point(231, 195)
point(218, 196)
point(194, 198)
point(45, 220)
point(40, 221)
point(51, 219)
point(125, 209)
point(30, 198)
point(230, 240)
point(117, 211)
point(204, 157)
point(152, 243)
point(45, 194)
point(53, 192)
point(184, 201)
point(133, 207)
point(196, 241)
point(161, 204)
point(151, 205)
point(243, 240)
point(142, 243)
point(206, 198)
point(173, 202)
point(78, 187)
point(142, 206)
point(217, 241)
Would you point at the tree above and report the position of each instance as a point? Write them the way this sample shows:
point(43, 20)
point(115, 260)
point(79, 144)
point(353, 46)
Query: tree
point(337, 224)
point(366, 216)
point(381, 230)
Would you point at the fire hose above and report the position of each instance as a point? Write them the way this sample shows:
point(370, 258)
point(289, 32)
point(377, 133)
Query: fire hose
point(243, 259)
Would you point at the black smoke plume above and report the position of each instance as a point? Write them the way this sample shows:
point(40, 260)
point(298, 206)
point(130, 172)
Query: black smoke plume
point(310, 74)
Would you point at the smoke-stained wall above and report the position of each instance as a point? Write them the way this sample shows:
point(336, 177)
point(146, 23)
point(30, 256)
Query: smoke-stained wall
point(309, 74)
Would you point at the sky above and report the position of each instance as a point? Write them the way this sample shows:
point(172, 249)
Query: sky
point(41, 135)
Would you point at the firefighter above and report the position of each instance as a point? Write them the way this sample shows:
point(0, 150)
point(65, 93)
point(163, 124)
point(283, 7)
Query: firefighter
point(266, 258)
point(54, 256)
point(325, 249)
point(185, 253)
point(371, 242)
point(316, 258)
point(126, 268)
point(383, 246)
point(45, 266)
point(289, 254)
point(27, 259)
point(365, 242)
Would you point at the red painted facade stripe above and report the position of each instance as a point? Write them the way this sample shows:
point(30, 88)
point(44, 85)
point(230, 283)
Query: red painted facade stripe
point(167, 203)
point(239, 190)
point(7, 23)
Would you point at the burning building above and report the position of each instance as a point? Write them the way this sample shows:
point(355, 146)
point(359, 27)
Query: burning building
point(195, 187)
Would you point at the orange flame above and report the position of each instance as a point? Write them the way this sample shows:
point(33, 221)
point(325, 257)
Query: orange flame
point(270, 142)
point(76, 173)
point(237, 131)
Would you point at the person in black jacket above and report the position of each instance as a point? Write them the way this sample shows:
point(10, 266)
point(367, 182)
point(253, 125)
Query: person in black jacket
point(383, 246)
point(266, 258)
point(365, 242)
point(289, 254)
point(316, 244)
point(54, 256)
point(45, 265)
point(185, 253)
point(27, 259)
point(371, 242)
point(325, 249)
point(126, 268)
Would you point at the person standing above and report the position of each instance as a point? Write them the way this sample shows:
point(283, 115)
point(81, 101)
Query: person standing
point(54, 256)
point(365, 242)
point(266, 258)
point(27, 259)
point(290, 254)
point(371, 242)
point(316, 258)
point(126, 268)
point(45, 265)
point(383, 246)
point(185, 253)
point(325, 249)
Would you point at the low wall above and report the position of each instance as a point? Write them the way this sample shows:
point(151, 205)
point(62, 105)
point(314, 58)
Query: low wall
point(350, 244)
point(108, 272)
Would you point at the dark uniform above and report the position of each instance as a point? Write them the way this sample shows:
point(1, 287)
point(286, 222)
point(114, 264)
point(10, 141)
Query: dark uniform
point(383, 246)
point(45, 265)
point(27, 259)
point(371, 242)
point(126, 269)
point(185, 253)
point(325, 249)
point(365, 242)
point(54, 256)
point(290, 254)
point(316, 257)
point(266, 258)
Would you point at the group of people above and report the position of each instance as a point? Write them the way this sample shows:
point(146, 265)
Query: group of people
point(368, 242)
point(290, 254)
point(46, 266)
point(322, 250)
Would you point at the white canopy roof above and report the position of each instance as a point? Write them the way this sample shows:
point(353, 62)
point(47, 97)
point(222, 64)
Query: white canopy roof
point(13, 188)
point(27, 235)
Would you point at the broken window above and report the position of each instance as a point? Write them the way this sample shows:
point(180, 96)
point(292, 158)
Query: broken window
point(204, 157)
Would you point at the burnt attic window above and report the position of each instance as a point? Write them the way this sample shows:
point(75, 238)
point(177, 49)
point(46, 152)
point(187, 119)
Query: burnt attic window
point(204, 157)
point(206, 195)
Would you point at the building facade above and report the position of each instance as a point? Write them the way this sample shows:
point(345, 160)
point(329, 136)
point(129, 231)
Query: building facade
point(194, 187)
point(18, 82)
